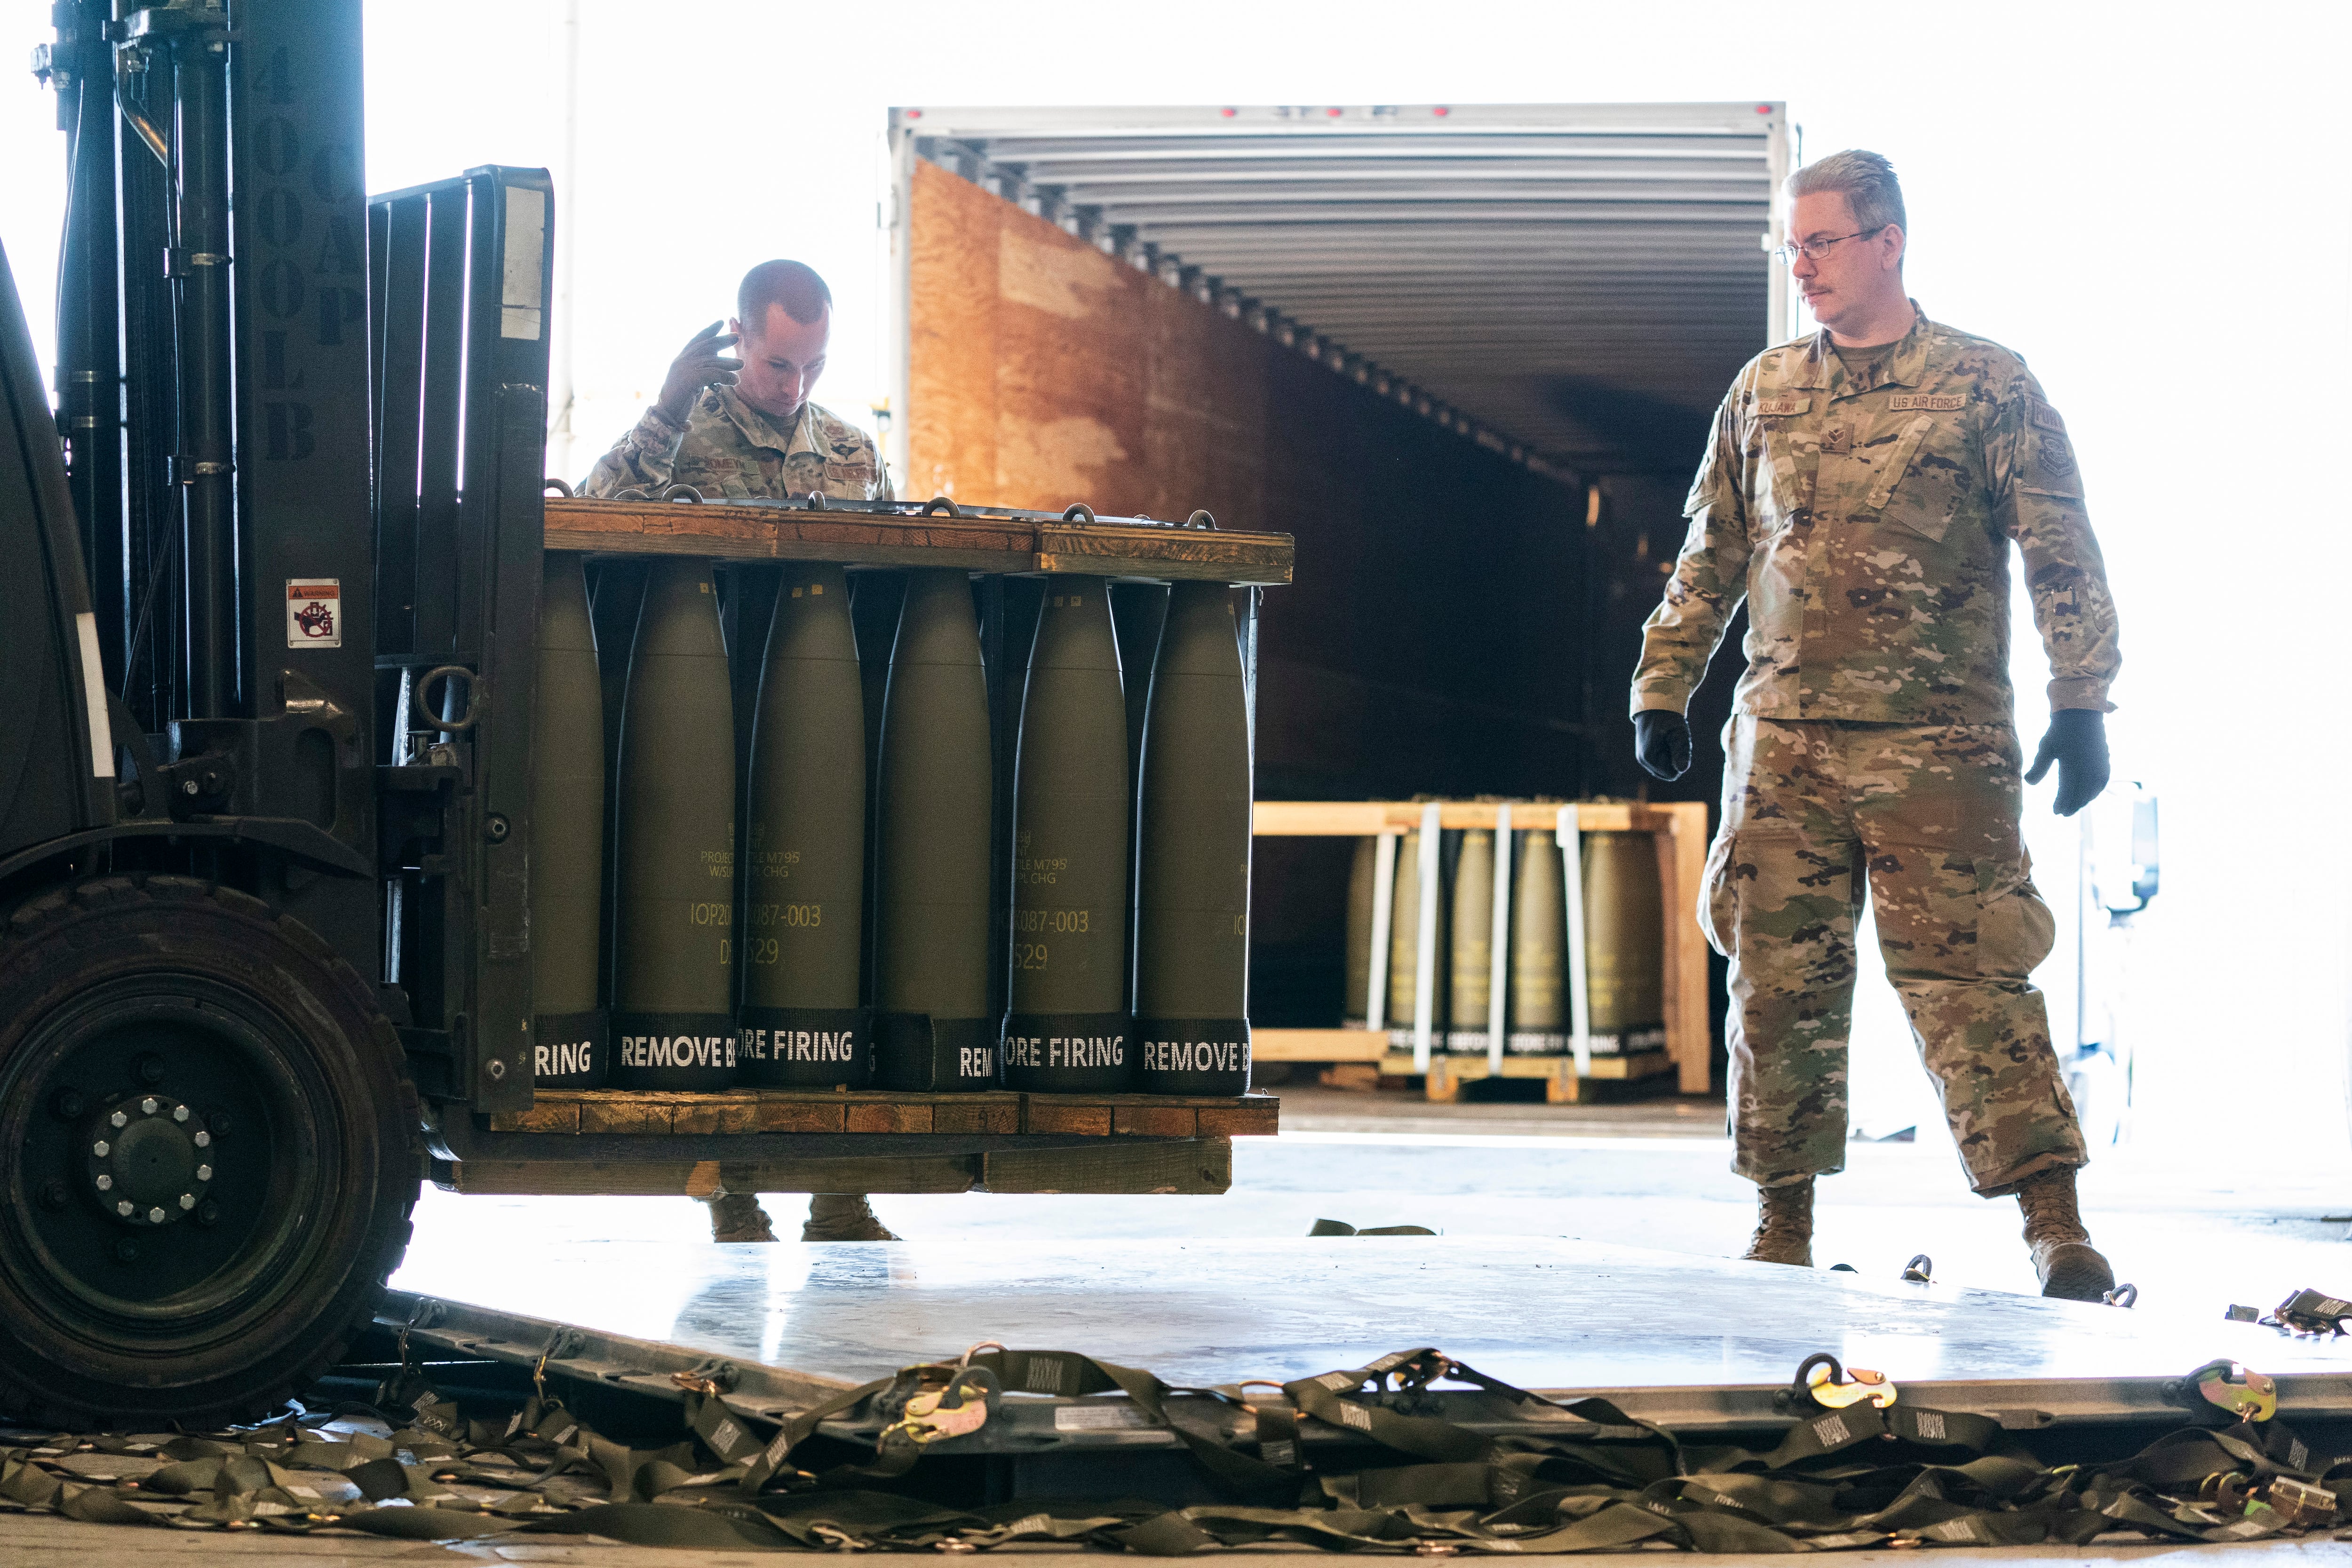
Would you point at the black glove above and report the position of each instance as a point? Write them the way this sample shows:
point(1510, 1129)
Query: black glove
point(1662, 743)
point(2077, 742)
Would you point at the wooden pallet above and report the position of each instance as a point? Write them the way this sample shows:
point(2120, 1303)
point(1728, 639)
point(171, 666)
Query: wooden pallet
point(979, 543)
point(1106, 1166)
point(1447, 1074)
point(750, 1111)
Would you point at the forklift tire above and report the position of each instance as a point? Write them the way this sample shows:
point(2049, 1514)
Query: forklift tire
point(211, 1150)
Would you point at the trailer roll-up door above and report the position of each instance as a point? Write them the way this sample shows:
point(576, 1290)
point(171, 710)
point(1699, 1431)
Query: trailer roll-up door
point(1570, 286)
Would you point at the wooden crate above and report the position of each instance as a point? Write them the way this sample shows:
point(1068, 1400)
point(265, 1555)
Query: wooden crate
point(1681, 828)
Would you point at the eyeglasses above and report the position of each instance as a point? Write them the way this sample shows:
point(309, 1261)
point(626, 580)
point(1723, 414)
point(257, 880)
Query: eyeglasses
point(1818, 249)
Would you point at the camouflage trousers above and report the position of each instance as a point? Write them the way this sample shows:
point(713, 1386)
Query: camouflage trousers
point(1928, 815)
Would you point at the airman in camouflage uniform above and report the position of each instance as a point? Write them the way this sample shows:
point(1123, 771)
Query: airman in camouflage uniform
point(1864, 511)
point(746, 430)
point(728, 449)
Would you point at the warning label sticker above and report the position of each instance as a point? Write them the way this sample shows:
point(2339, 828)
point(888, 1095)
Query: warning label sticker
point(314, 612)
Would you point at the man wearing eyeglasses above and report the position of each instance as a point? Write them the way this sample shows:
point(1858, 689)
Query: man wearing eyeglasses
point(1861, 490)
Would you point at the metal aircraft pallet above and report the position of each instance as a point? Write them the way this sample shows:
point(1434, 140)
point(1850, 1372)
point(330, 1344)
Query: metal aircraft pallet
point(1696, 1345)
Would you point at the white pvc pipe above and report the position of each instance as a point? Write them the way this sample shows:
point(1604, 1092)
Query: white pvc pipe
point(1580, 1005)
point(1498, 955)
point(1424, 993)
point(1376, 1000)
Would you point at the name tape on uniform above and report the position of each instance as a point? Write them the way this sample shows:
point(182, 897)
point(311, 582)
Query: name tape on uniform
point(1790, 403)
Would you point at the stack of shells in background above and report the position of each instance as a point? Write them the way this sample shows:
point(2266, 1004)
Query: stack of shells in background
point(1624, 941)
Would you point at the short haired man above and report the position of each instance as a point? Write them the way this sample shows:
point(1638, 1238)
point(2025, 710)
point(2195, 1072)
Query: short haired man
point(746, 429)
point(1860, 490)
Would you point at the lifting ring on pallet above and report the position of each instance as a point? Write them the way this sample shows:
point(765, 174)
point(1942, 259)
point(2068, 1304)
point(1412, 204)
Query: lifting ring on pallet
point(1201, 518)
point(932, 507)
point(429, 720)
point(680, 491)
point(814, 502)
point(1078, 511)
point(556, 487)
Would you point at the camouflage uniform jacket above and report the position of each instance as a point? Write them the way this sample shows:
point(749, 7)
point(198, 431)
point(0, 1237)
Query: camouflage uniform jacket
point(728, 449)
point(1867, 522)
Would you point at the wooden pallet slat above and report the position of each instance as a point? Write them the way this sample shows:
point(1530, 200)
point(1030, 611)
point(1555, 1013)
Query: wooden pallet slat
point(1042, 1115)
point(721, 531)
point(568, 1112)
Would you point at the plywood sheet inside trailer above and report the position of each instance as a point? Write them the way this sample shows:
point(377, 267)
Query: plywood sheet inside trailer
point(1044, 373)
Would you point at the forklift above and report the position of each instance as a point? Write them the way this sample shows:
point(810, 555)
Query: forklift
point(269, 586)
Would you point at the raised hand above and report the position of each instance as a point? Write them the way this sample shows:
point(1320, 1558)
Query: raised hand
point(702, 362)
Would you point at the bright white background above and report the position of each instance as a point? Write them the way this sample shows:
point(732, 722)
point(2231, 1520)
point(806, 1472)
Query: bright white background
point(2149, 201)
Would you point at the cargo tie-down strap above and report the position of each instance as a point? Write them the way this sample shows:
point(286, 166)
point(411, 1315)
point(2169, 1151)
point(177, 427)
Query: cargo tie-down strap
point(1859, 1466)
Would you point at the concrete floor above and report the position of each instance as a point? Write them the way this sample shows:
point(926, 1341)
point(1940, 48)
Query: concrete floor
point(2195, 1235)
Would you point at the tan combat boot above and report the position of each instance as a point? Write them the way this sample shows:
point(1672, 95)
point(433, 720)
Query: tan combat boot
point(2063, 1255)
point(1784, 1224)
point(738, 1216)
point(842, 1216)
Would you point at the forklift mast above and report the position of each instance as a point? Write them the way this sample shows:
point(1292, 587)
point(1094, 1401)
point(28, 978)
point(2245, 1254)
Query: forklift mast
point(303, 435)
point(212, 380)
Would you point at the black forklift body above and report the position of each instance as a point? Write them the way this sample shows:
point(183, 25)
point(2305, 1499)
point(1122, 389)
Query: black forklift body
point(213, 366)
point(269, 589)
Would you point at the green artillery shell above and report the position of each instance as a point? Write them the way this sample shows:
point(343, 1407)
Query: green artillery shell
point(1360, 873)
point(1404, 939)
point(1192, 982)
point(933, 1031)
point(673, 987)
point(1625, 940)
point(567, 836)
point(1068, 1030)
point(1539, 1000)
point(804, 876)
point(1473, 928)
